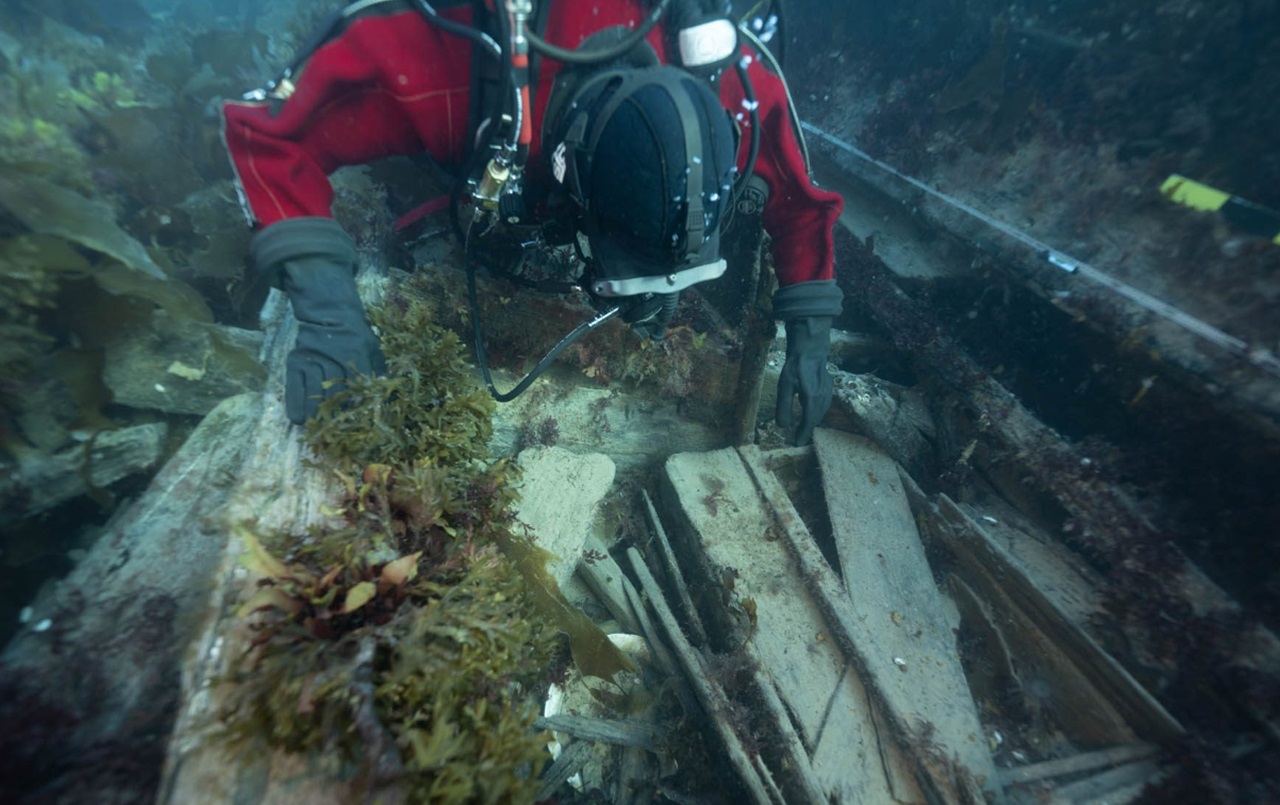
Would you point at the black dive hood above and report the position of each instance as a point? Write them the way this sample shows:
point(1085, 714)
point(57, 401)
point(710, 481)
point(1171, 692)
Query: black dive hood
point(647, 155)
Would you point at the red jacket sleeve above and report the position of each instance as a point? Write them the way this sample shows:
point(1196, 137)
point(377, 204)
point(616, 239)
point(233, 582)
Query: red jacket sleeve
point(389, 85)
point(798, 216)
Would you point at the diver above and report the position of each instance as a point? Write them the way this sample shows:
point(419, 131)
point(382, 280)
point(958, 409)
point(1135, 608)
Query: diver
point(622, 130)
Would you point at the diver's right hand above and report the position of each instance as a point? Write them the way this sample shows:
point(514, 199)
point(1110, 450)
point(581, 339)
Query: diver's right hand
point(313, 260)
point(334, 343)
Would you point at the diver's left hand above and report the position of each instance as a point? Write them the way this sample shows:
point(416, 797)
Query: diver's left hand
point(805, 373)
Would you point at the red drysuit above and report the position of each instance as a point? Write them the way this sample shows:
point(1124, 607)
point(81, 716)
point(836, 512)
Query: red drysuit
point(393, 84)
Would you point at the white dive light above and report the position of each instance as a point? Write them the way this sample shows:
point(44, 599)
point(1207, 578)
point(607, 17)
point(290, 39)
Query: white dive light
point(708, 43)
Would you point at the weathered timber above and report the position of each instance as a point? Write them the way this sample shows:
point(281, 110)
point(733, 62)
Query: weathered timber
point(919, 235)
point(758, 331)
point(894, 417)
point(276, 489)
point(899, 626)
point(603, 577)
point(1122, 795)
point(605, 730)
point(994, 566)
point(751, 588)
point(858, 759)
point(662, 655)
point(939, 768)
point(674, 576)
point(106, 644)
point(570, 762)
point(1104, 783)
point(1031, 675)
point(39, 481)
point(1103, 515)
point(1075, 764)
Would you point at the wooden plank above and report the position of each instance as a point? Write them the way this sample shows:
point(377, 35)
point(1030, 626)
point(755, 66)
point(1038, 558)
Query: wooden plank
point(570, 762)
point(1086, 761)
point(1105, 782)
point(801, 674)
point(1053, 696)
point(1061, 575)
point(854, 760)
point(1105, 515)
point(942, 769)
point(603, 730)
point(747, 571)
point(981, 552)
point(604, 578)
point(900, 626)
point(673, 573)
point(280, 490)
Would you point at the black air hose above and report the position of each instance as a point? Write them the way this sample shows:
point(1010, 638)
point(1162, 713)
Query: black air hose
point(599, 56)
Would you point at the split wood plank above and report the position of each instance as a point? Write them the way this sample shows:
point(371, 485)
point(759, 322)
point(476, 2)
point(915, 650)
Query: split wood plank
point(901, 627)
point(854, 755)
point(604, 578)
point(947, 773)
point(1112, 780)
point(726, 524)
point(1018, 658)
point(673, 573)
point(728, 541)
point(279, 489)
point(570, 762)
point(1105, 514)
point(982, 553)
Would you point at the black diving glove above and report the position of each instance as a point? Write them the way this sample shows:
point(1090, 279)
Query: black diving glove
point(313, 260)
point(806, 310)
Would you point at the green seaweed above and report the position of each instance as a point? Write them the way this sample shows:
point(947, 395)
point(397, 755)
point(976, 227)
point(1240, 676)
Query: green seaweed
point(32, 144)
point(428, 408)
point(593, 652)
point(48, 209)
point(398, 649)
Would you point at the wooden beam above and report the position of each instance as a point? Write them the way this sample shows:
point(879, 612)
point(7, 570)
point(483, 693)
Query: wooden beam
point(1075, 764)
point(981, 553)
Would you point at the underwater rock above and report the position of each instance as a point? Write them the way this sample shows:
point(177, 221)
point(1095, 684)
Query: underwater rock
point(183, 368)
point(559, 498)
point(46, 415)
point(43, 480)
